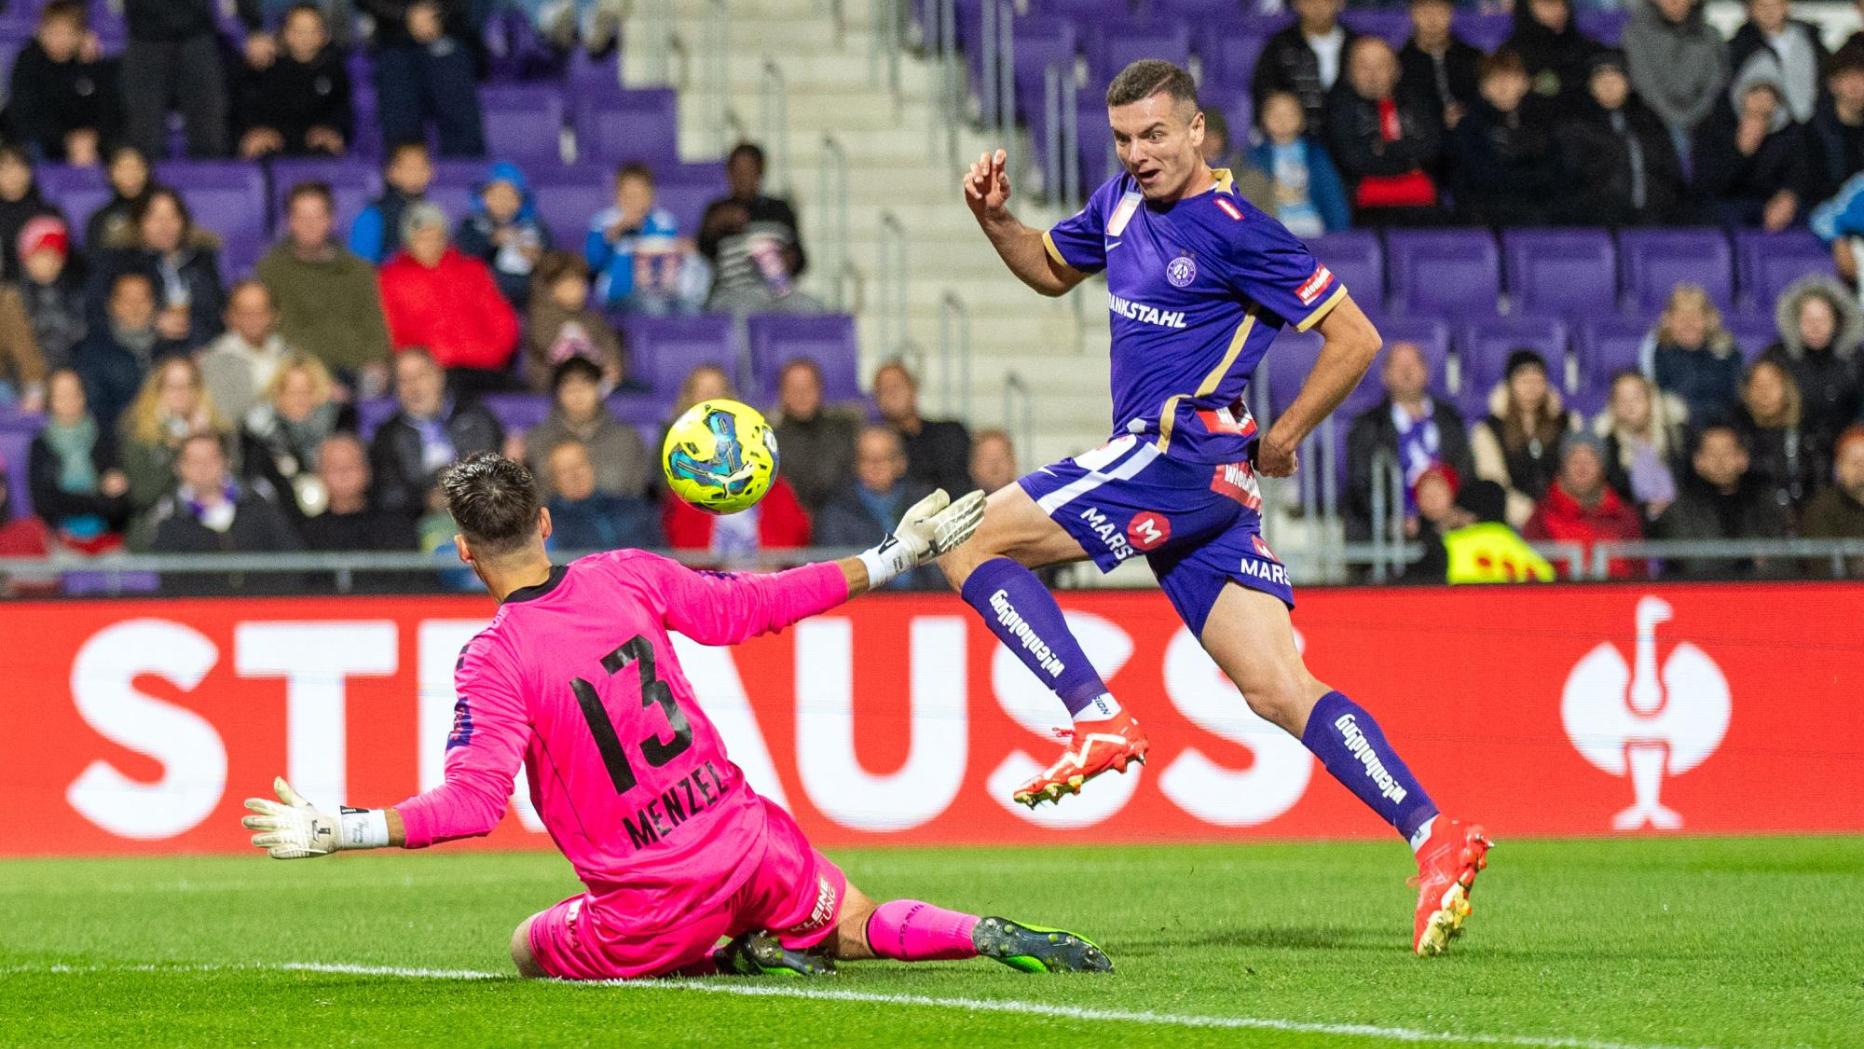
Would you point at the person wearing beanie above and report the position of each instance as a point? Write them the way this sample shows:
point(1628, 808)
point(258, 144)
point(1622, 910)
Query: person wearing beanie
point(1619, 157)
point(1580, 507)
point(1517, 446)
point(49, 293)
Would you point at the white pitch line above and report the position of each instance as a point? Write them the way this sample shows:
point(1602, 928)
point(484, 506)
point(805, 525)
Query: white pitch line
point(975, 1005)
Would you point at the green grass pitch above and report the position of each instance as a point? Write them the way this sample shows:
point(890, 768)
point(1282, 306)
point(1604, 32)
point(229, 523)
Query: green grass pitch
point(1722, 943)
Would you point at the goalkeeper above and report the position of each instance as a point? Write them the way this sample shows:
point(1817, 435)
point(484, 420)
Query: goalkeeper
point(576, 678)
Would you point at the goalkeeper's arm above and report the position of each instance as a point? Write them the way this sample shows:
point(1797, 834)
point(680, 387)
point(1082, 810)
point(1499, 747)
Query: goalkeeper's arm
point(291, 828)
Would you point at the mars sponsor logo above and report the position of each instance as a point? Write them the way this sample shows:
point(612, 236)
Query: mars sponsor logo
point(698, 791)
point(1110, 534)
point(1267, 571)
point(1311, 288)
point(1148, 530)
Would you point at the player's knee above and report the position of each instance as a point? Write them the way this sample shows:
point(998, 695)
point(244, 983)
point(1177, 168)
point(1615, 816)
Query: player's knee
point(959, 563)
point(521, 955)
point(1282, 698)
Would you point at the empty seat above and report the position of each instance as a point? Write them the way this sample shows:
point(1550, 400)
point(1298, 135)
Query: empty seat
point(1607, 27)
point(1392, 25)
point(662, 350)
point(518, 412)
point(1566, 273)
point(1656, 260)
point(1356, 259)
point(641, 124)
point(1753, 332)
point(637, 408)
point(1606, 346)
point(686, 189)
point(1115, 44)
point(1485, 30)
point(1443, 271)
point(1767, 262)
point(1230, 58)
point(1487, 345)
point(569, 197)
point(594, 75)
point(1284, 369)
point(15, 445)
point(827, 339)
point(1237, 108)
point(523, 123)
point(225, 196)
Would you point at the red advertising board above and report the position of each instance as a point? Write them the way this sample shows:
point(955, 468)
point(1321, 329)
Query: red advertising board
point(139, 726)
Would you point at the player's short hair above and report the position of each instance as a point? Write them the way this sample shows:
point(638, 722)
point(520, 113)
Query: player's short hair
point(1147, 77)
point(1500, 63)
point(494, 501)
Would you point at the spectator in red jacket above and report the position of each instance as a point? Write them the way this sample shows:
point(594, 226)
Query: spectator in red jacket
point(1580, 507)
point(439, 299)
point(777, 522)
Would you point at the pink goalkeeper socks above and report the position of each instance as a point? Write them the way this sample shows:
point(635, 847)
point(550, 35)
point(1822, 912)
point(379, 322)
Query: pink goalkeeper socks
point(912, 931)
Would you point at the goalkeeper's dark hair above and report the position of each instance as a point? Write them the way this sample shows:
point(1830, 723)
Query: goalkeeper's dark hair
point(1147, 77)
point(494, 501)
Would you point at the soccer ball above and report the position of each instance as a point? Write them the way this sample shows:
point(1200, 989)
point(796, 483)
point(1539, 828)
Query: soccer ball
point(721, 456)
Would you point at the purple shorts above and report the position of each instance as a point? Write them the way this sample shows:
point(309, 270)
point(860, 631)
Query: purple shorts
point(1199, 525)
point(793, 891)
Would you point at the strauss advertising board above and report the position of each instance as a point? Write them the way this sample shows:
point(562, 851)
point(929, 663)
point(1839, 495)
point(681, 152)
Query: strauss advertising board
point(139, 726)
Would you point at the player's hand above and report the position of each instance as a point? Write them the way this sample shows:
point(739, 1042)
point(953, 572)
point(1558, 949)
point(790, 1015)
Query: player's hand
point(291, 828)
point(987, 185)
point(931, 527)
point(1272, 460)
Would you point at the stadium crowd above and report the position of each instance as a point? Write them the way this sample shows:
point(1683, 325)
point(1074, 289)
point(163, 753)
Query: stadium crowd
point(183, 413)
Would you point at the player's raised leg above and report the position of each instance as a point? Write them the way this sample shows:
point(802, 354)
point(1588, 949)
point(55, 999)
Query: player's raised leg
point(991, 571)
point(1250, 636)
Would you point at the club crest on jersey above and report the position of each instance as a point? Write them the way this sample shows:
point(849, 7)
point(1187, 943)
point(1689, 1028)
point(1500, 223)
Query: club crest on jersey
point(1123, 214)
point(1181, 271)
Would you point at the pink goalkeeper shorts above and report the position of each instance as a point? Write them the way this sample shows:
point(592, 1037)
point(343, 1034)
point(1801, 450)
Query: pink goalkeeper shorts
point(794, 892)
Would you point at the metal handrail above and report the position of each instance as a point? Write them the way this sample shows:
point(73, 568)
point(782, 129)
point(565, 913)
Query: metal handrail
point(1051, 108)
point(948, 107)
point(954, 355)
point(1386, 494)
point(893, 277)
point(889, 28)
point(1019, 414)
point(1837, 550)
point(832, 214)
point(716, 71)
point(997, 21)
point(773, 119)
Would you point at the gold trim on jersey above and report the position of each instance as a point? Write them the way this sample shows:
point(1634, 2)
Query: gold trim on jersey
point(1054, 252)
point(1168, 413)
point(1326, 306)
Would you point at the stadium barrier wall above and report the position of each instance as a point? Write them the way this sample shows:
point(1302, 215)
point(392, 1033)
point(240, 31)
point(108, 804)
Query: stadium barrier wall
point(139, 726)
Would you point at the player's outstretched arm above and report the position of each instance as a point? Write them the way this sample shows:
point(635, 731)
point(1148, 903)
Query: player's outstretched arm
point(291, 828)
point(932, 527)
point(1349, 342)
point(987, 193)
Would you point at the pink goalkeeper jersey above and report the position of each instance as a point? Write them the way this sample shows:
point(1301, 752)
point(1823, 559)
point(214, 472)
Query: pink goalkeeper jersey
point(576, 677)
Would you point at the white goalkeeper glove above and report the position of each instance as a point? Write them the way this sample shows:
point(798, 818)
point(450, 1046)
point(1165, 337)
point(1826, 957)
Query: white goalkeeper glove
point(933, 526)
point(294, 829)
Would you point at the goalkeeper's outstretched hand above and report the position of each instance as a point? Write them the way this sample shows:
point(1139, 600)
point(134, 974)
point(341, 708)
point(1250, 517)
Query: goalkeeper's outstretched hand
point(291, 828)
point(931, 527)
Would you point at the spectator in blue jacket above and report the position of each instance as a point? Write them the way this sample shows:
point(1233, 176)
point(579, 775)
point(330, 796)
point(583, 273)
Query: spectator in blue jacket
point(1309, 197)
point(504, 231)
point(633, 248)
point(376, 232)
point(586, 518)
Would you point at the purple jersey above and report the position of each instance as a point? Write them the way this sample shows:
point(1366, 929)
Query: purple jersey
point(1198, 290)
point(576, 677)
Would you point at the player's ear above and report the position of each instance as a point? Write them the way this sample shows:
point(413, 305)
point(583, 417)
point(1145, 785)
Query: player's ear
point(464, 551)
point(544, 524)
point(1197, 128)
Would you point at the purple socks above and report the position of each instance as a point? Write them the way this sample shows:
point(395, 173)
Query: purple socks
point(1346, 740)
point(1024, 616)
point(912, 931)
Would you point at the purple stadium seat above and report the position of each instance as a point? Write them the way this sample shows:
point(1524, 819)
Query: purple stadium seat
point(1037, 42)
point(1753, 333)
point(79, 192)
point(15, 444)
point(1356, 259)
point(593, 74)
point(524, 123)
point(1431, 335)
point(1085, 10)
point(1392, 25)
point(1656, 260)
point(1486, 31)
point(1237, 109)
point(1607, 346)
point(352, 184)
point(226, 196)
point(1485, 350)
point(1230, 58)
point(662, 350)
point(1114, 44)
point(1767, 262)
point(372, 413)
point(686, 189)
point(1284, 368)
point(1607, 27)
point(1562, 273)
point(518, 412)
point(1098, 161)
point(454, 184)
point(1199, 10)
point(636, 408)
point(569, 197)
point(827, 339)
point(1443, 271)
point(641, 124)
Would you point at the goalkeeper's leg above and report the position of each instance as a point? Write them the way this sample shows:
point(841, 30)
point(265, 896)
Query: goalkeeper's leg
point(915, 931)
